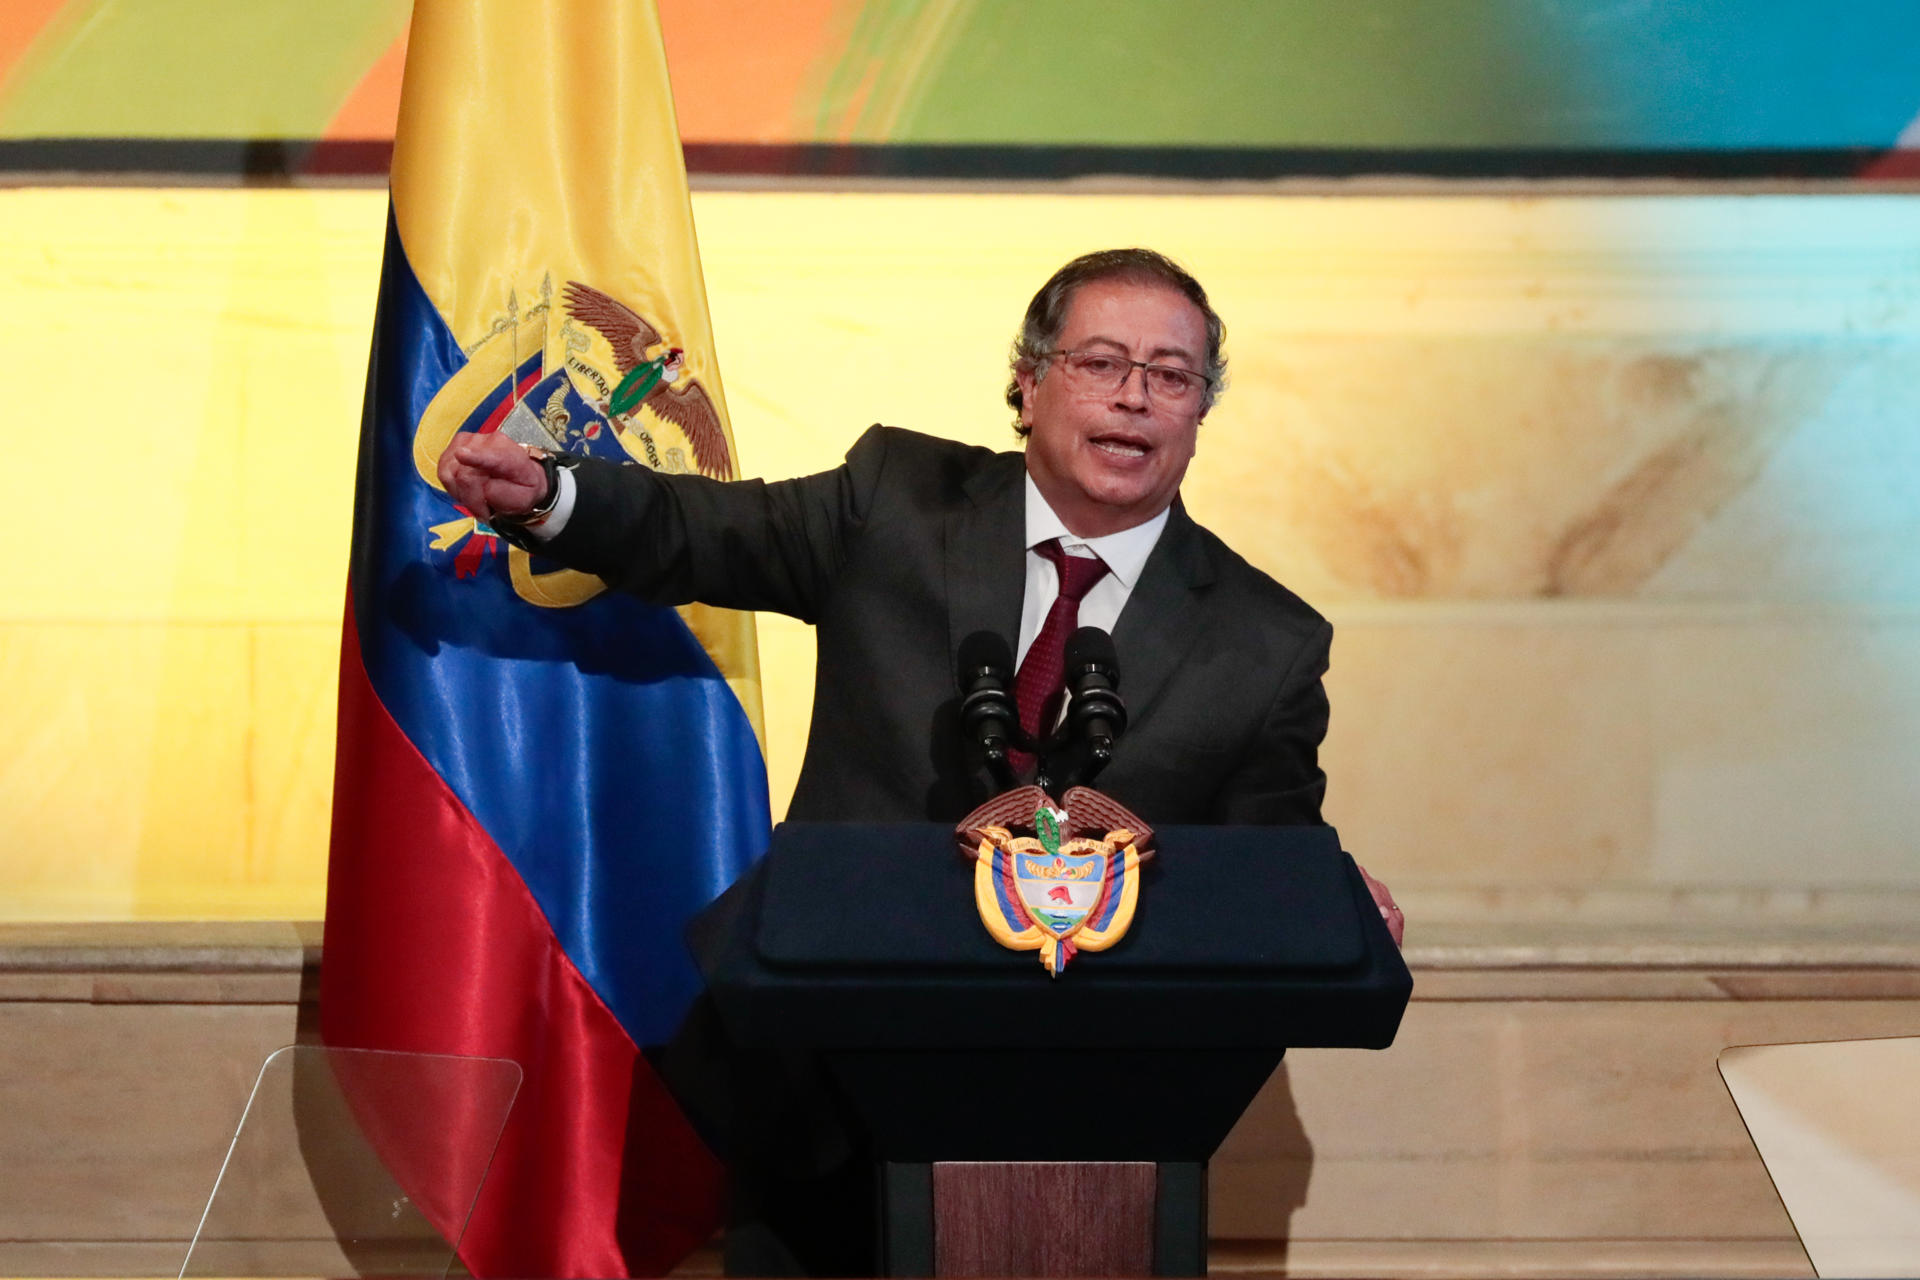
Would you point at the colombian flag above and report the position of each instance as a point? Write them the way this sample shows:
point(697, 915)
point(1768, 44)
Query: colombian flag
point(537, 781)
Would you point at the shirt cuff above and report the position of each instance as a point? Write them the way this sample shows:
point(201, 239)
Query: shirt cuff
point(556, 520)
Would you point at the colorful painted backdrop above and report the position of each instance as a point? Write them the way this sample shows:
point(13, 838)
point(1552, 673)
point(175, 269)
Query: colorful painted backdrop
point(1427, 82)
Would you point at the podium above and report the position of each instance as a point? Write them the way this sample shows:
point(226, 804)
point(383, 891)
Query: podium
point(1029, 1124)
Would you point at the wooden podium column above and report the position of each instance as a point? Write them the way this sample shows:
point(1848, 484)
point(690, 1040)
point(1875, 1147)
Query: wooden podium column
point(1045, 1218)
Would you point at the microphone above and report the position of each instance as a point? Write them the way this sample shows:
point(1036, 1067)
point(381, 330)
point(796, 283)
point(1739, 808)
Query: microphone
point(1096, 716)
point(987, 712)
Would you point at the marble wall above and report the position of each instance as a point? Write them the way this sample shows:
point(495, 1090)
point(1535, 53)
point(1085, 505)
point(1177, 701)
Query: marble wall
point(1618, 530)
point(1613, 499)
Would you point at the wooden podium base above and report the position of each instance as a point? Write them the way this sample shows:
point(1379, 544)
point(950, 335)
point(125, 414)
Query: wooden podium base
point(1034, 1218)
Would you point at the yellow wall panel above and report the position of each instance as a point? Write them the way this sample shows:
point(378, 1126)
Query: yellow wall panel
point(136, 769)
point(73, 778)
point(173, 638)
point(207, 348)
point(292, 688)
point(166, 770)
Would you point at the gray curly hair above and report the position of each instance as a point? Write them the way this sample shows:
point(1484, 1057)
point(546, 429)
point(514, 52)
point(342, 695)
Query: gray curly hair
point(1046, 316)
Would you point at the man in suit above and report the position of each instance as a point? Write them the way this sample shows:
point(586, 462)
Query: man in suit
point(914, 543)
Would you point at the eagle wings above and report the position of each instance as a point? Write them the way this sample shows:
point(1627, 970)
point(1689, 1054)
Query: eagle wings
point(685, 403)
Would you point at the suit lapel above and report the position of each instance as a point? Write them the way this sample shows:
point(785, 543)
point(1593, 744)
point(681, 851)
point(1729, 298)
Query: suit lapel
point(986, 554)
point(1162, 618)
point(986, 571)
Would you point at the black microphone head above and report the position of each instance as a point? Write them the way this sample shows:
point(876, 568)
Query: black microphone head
point(1091, 649)
point(985, 653)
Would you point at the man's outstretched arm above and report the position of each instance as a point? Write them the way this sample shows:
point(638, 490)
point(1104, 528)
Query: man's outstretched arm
point(676, 539)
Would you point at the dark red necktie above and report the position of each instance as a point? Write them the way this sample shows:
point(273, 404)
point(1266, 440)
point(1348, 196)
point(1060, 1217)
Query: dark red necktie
point(1041, 684)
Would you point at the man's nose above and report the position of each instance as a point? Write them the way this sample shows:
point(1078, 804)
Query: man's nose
point(1132, 391)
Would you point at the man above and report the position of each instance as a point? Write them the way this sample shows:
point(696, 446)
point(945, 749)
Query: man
point(915, 543)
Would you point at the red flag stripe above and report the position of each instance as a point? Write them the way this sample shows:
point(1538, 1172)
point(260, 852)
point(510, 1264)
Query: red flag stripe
point(504, 988)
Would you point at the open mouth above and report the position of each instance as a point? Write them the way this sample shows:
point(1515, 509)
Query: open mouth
point(1120, 446)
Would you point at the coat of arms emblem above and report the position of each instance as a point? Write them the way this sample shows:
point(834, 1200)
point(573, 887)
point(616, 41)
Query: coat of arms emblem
point(1057, 892)
point(588, 375)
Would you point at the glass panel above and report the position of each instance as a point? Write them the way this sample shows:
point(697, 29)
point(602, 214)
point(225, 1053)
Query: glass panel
point(354, 1162)
point(1838, 1127)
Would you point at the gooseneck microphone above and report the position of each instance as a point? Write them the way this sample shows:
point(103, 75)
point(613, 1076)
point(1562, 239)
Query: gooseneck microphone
point(1096, 716)
point(988, 715)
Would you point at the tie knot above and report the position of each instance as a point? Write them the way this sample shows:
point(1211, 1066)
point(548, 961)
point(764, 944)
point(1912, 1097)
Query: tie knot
point(1077, 573)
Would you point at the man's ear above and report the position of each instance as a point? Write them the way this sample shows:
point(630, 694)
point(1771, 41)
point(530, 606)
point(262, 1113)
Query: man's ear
point(1024, 375)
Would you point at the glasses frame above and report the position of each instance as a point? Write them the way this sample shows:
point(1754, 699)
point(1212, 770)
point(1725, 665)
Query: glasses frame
point(1193, 377)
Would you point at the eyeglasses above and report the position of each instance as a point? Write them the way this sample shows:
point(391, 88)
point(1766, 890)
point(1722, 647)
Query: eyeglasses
point(1105, 372)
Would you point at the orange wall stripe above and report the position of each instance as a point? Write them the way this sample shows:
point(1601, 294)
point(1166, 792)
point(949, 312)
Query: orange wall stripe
point(374, 105)
point(24, 22)
point(739, 65)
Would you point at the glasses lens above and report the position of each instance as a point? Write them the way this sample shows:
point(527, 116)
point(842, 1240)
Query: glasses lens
point(1169, 383)
point(1098, 370)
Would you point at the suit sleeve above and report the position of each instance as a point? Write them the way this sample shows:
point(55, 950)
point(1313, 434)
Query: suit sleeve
point(737, 544)
point(1279, 782)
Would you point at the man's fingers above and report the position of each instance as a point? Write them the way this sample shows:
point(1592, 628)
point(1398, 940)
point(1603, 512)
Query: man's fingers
point(490, 475)
point(491, 453)
point(1396, 925)
point(1389, 909)
point(465, 485)
point(510, 497)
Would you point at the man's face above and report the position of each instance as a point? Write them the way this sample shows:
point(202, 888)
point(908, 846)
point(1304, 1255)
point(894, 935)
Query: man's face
point(1107, 462)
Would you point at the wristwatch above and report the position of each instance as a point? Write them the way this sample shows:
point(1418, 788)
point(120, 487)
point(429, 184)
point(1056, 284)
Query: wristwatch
point(514, 527)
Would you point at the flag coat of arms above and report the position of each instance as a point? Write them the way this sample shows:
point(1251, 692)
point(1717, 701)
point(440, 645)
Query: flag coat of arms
point(538, 781)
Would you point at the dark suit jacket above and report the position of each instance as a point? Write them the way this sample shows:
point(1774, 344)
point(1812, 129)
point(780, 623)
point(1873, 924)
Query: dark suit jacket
point(914, 543)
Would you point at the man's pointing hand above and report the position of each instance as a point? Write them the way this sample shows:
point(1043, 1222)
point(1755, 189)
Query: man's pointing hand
point(491, 475)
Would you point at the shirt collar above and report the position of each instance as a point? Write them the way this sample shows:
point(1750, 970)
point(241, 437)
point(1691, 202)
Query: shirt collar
point(1125, 552)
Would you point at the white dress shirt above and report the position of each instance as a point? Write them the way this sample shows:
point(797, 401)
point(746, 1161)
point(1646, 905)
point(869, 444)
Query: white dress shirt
point(1125, 552)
